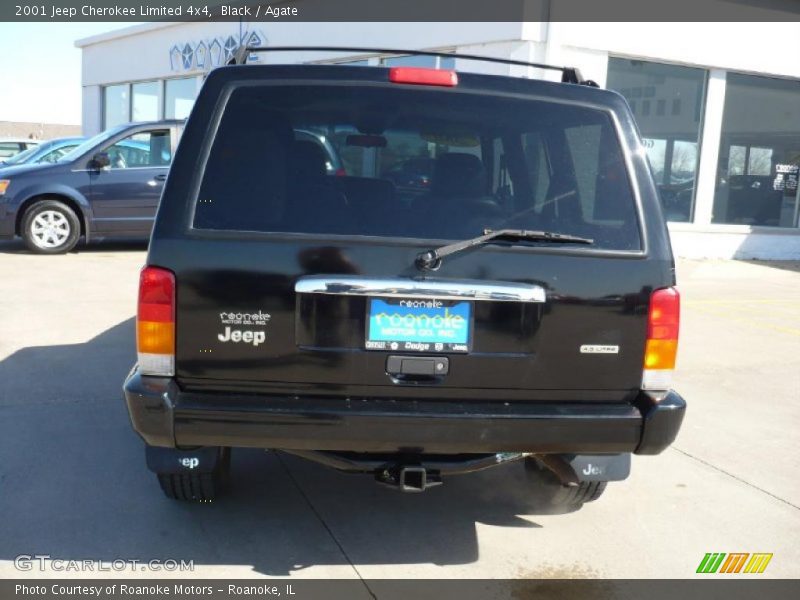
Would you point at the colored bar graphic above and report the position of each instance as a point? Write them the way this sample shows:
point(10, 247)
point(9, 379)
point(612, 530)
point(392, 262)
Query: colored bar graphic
point(758, 563)
point(734, 562)
point(740, 564)
point(710, 562)
point(717, 562)
point(713, 562)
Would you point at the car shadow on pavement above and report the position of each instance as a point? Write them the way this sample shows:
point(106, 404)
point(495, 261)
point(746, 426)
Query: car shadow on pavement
point(15, 246)
point(73, 485)
point(784, 265)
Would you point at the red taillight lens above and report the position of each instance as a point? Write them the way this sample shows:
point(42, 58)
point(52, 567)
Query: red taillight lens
point(155, 322)
point(341, 172)
point(422, 76)
point(665, 314)
point(663, 326)
point(156, 295)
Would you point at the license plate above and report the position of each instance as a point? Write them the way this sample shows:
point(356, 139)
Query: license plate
point(419, 325)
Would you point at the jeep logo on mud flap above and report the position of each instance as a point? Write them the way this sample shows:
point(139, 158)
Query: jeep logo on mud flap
point(246, 336)
point(189, 463)
point(590, 470)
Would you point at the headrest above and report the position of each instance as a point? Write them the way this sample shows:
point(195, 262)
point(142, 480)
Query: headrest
point(308, 159)
point(458, 174)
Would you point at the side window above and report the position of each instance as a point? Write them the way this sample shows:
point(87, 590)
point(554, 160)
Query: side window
point(143, 149)
point(54, 155)
point(502, 185)
point(584, 147)
point(604, 189)
point(538, 166)
point(579, 184)
point(8, 149)
point(66, 150)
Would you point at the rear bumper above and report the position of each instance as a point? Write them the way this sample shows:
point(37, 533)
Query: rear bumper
point(165, 416)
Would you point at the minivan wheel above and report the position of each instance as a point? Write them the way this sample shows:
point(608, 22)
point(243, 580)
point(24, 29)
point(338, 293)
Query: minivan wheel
point(50, 227)
point(197, 487)
point(559, 495)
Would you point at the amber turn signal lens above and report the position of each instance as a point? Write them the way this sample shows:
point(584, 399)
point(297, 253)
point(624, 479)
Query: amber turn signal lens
point(660, 354)
point(155, 338)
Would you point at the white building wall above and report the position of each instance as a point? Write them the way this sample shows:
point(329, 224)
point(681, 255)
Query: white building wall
point(765, 48)
point(143, 52)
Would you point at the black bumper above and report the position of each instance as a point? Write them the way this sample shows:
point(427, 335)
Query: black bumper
point(165, 416)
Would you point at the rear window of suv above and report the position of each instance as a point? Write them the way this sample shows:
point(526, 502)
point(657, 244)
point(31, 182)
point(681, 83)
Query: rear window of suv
point(414, 163)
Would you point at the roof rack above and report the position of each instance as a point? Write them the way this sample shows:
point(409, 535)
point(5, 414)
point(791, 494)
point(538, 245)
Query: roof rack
point(568, 74)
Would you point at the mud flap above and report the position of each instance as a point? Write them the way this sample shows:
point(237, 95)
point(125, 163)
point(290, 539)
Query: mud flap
point(175, 462)
point(601, 467)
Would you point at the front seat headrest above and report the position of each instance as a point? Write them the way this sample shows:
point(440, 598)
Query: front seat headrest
point(308, 159)
point(458, 174)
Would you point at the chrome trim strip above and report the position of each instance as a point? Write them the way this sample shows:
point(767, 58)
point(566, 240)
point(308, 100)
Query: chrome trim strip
point(441, 289)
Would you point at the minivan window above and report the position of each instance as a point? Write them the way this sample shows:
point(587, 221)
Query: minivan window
point(142, 149)
point(416, 163)
point(10, 148)
point(57, 154)
point(20, 157)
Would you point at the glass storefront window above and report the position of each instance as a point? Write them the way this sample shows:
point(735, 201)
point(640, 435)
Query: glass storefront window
point(354, 63)
point(411, 61)
point(759, 155)
point(179, 97)
point(145, 101)
point(430, 62)
point(667, 101)
point(116, 101)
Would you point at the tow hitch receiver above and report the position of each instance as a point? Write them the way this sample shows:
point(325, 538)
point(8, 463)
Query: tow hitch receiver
point(409, 478)
point(408, 472)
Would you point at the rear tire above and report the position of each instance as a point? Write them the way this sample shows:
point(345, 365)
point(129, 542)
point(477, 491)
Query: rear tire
point(197, 487)
point(559, 495)
point(50, 227)
point(586, 491)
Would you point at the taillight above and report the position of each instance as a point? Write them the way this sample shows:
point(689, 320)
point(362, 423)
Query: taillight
point(662, 339)
point(341, 172)
point(155, 322)
point(422, 76)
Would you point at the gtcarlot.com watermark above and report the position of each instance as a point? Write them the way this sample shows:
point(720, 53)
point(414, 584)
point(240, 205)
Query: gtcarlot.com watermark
point(45, 562)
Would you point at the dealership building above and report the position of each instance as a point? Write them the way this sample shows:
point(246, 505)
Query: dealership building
point(718, 104)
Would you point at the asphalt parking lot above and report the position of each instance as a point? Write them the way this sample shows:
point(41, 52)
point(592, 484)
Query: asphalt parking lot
point(73, 483)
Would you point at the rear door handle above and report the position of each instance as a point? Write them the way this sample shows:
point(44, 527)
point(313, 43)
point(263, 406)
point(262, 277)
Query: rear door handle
point(161, 177)
point(417, 367)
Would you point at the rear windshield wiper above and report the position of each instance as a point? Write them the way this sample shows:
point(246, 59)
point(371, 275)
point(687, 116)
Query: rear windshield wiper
point(432, 259)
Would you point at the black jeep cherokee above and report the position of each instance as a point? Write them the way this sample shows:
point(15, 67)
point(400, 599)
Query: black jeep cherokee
point(520, 307)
